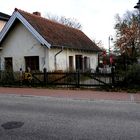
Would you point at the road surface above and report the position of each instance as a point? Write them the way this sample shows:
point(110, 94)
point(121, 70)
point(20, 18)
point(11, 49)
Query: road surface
point(50, 118)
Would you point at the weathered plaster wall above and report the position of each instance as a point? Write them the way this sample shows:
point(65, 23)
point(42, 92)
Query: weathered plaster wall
point(18, 44)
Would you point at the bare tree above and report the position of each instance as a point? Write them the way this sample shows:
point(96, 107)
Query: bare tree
point(127, 34)
point(71, 22)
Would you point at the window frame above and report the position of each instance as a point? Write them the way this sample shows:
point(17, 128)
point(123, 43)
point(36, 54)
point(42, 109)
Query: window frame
point(32, 62)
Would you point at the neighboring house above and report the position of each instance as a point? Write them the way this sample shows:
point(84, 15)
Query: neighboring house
point(3, 19)
point(28, 40)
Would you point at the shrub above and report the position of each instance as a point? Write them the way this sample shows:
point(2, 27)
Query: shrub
point(132, 78)
point(9, 77)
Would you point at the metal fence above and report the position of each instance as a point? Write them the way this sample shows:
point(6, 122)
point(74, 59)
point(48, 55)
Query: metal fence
point(74, 79)
point(64, 79)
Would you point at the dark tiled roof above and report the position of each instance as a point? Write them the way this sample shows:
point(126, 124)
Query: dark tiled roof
point(59, 35)
point(4, 17)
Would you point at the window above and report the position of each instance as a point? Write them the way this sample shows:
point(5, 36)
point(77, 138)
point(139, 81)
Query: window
point(32, 62)
point(0, 63)
point(70, 63)
point(86, 63)
point(8, 64)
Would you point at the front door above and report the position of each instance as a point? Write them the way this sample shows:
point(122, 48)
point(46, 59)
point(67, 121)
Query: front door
point(8, 64)
point(79, 62)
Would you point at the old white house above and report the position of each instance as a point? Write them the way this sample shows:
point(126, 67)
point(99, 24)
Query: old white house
point(29, 40)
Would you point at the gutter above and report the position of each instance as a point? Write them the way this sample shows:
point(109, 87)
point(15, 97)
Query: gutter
point(55, 60)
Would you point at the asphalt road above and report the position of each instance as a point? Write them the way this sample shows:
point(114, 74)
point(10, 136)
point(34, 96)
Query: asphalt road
point(49, 118)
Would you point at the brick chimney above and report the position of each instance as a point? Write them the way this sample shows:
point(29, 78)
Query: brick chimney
point(37, 13)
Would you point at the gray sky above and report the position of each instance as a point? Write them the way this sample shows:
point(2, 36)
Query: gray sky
point(95, 16)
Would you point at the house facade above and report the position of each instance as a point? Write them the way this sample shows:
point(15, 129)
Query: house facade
point(28, 40)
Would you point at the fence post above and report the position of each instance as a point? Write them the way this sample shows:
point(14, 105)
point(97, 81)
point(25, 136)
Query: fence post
point(78, 79)
point(113, 75)
point(45, 76)
point(21, 76)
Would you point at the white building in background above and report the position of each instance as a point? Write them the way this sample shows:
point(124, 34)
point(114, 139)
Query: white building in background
point(3, 19)
point(29, 40)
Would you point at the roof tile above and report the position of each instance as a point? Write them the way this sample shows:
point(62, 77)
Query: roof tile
point(58, 34)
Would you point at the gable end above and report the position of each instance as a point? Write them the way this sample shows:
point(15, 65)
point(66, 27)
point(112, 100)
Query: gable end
point(17, 15)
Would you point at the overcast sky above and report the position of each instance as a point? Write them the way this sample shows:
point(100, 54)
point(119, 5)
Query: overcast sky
point(95, 16)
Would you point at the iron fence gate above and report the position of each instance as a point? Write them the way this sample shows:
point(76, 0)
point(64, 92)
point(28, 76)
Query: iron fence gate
point(68, 79)
point(73, 79)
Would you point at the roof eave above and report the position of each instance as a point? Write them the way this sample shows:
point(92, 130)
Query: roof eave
point(76, 48)
point(4, 18)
